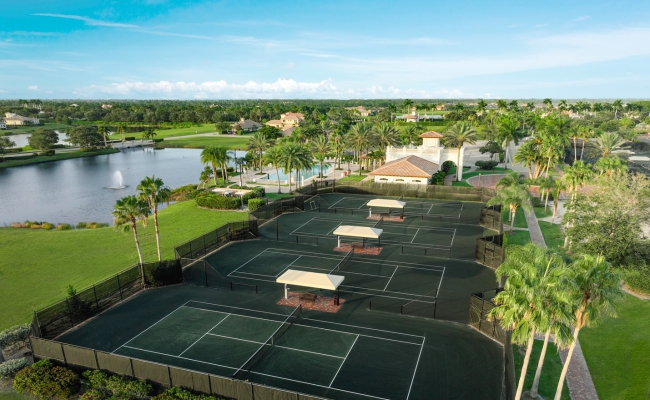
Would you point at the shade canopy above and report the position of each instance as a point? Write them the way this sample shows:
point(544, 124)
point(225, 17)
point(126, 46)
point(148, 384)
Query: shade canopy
point(358, 231)
point(386, 203)
point(310, 279)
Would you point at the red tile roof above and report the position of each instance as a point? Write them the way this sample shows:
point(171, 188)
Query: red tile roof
point(411, 166)
point(431, 134)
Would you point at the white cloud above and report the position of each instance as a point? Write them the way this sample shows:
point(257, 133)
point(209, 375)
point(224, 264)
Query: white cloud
point(32, 87)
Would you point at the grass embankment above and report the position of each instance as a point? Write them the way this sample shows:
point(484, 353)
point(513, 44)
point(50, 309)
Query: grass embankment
point(550, 371)
point(275, 196)
point(517, 237)
point(520, 218)
point(38, 265)
point(165, 133)
point(199, 142)
point(552, 234)
point(352, 178)
point(57, 157)
point(497, 170)
point(618, 352)
point(31, 128)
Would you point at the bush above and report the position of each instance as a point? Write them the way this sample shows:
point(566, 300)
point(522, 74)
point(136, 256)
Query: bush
point(438, 178)
point(17, 334)
point(9, 368)
point(95, 225)
point(129, 138)
point(254, 204)
point(47, 153)
point(47, 226)
point(23, 157)
point(217, 202)
point(158, 140)
point(165, 272)
point(88, 149)
point(44, 381)
point(176, 393)
point(639, 280)
point(99, 385)
point(63, 227)
point(486, 165)
point(13, 150)
point(57, 146)
point(182, 193)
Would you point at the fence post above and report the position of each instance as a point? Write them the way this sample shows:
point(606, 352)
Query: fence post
point(169, 372)
point(132, 370)
point(96, 301)
point(277, 230)
point(65, 359)
point(435, 308)
point(119, 286)
point(205, 272)
point(96, 359)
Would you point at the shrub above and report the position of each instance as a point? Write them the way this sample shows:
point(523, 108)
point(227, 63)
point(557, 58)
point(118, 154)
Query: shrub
point(639, 280)
point(95, 225)
point(17, 334)
point(438, 178)
point(182, 193)
point(13, 150)
point(254, 204)
point(57, 146)
point(166, 272)
point(101, 385)
point(93, 394)
point(9, 368)
point(446, 166)
point(486, 165)
point(217, 202)
point(23, 157)
point(28, 148)
point(47, 226)
point(63, 227)
point(81, 225)
point(158, 140)
point(47, 153)
point(44, 381)
point(35, 225)
point(176, 393)
point(87, 149)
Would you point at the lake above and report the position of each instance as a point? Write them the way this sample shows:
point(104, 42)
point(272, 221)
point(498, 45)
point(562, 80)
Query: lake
point(22, 139)
point(71, 191)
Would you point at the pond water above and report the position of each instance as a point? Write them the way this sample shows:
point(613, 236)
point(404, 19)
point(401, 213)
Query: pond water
point(22, 139)
point(71, 191)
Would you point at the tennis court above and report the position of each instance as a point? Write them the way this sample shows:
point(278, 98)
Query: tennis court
point(240, 342)
point(412, 206)
point(383, 278)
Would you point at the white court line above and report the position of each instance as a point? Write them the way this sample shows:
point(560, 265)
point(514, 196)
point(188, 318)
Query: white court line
point(239, 308)
point(389, 291)
point(416, 233)
point(238, 315)
point(391, 224)
point(317, 385)
point(363, 327)
point(434, 246)
point(300, 226)
point(452, 238)
point(363, 204)
point(183, 358)
point(430, 209)
point(307, 351)
point(356, 334)
point(249, 261)
point(252, 273)
point(346, 357)
point(440, 283)
point(356, 260)
point(336, 203)
point(151, 326)
point(288, 266)
point(391, 277)
point(330, 232)
point(233, 338)
point(202, 336)
point(345, 272)
point(416, 370)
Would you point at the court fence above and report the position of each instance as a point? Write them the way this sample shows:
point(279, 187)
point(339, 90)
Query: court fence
point(280, 206)
point(491, 218)
point(217, 238)
point(202, 273)
point(83, 304)
point(159, 375)
point(490, 251)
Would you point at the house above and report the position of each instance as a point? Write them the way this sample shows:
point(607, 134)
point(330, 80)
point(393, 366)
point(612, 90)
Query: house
point(292, 118)
point(288, 130)
point(430, 150)
point(246, 125)
point(411, 117)
point(276, 123)
point(407, 170)
point(12, 119)
point(361, 110)
point(2, 124)
point(441, 107)
point(107, 106)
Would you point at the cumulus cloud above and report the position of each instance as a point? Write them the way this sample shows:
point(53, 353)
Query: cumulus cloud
point(32, 87)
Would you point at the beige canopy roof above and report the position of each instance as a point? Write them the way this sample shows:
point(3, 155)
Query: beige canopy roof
point(358, 231)
point(386, 203)
point(310, 279)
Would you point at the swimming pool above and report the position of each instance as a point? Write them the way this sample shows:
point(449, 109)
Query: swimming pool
point(304, 174)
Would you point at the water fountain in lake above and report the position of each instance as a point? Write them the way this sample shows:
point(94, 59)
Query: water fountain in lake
point(119, 182)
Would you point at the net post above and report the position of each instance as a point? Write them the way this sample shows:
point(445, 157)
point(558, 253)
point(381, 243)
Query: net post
point(401, 310)
point(435, 307)
point(230, 285)
point(256, 292)
point(370, 305)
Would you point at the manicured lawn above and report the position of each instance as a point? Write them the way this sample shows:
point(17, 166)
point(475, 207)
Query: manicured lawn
point(552, 234)
point(517, 237)
point(355, 177)
point(618, 352)
point(31, 128)
point(461, 183)
point(550, 371)
point(163, 133)
point(275, 196)
point(59, 156)
point(520, 218)
point(238, 142)
point(497, 170)
point(540, 212)
point(38, 265)
point(13, 396)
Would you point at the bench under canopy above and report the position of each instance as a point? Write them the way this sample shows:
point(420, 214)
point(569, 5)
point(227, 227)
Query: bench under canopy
point(386, 203)
point(309, 279)
point(364, 232)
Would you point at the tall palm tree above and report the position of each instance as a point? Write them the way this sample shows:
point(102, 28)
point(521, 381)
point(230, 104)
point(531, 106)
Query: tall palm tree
point(512, 197)
point(360, 138)
point(607, 142)
point(103, 130)
point(385, 135)
point(560, 185)
point(273, 156)
point(548, 103)
point(338, 145)
point(408, 103)
point(259, 143)
point(127, 212)
point(617, 105)
point(205, 177)
point(596, 287)
point(321, 149)
point(295, 156)
point(508, 130)
point(552, 146)
point(609, 165)
point(121, 131)
point(153, 191)
point(575, 177)
point(215, 155)
point(532, 294)
point(456, 136)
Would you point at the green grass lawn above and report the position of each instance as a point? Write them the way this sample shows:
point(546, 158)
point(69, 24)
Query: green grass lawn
point(164, 133)
point(517, 237)
point(540, 212)
point(13, 396)
point(31, 128)
point(354, 177)
point(238, 142)
point(38, 265)
point(552, 234)
point(59, 156)
point(618, 352)
point(520, 218)
point(275, 196)
point(497, 170)
point(550, 371)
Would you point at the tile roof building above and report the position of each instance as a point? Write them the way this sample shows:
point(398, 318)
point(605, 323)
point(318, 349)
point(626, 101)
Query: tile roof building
point(247, 125)
point(410, 169)
point(12, 119)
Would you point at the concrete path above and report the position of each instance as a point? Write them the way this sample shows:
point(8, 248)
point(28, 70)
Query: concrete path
point(578, 378)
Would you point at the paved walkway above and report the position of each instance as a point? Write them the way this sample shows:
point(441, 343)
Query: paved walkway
point(578, 378)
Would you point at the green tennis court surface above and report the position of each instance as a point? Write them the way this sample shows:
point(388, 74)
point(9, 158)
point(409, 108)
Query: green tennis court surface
point(412, 206)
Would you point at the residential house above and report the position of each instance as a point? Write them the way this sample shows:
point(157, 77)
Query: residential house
point(441, 107)
point(407, 170)
point(246, 125)
point(287, 120)
point(2, 124)
point(288, 130)
point(276, 123)
point(361, 110)
point(107, 106)
point(12, 119)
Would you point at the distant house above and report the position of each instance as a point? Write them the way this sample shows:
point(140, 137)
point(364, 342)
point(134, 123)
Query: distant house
point(361, 110)
point(411, 117)
point(275, 122)
point(247, 125)
point(288, 130)
point(12, 119)
point(2, 124)
point(287, 120)
point(74, 105)
point(107, 106)
point(406, 170)
point(441, 107)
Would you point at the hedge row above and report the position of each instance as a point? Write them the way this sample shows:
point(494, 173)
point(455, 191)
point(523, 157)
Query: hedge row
point(14, 335)
point(217, 202)
point(9, 369)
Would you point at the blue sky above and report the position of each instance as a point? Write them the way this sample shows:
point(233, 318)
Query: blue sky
point(328, 49)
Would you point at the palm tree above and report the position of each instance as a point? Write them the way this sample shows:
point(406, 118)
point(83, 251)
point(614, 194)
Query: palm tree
point(359, 138)
point(553, 147)
point(596, 287)
point(338, 145)
point(152, 192)
point(103, 130)
point(215, 155)
point(121, 131)
point(532, 296)
point(321, 149)
point(148, 133)
point(608, 165)
point(408, 103)
point(512, 197)
point(205, 177)
point(259, 143)
point(385, 135)
point(548, 103)
point(617, 105)
point(294, 156)
point(480, 106)
point(576, 176)
point(607, 142)
point(557, 190)
point(457, 135)
point(274, 156)
point(508, 130)
point(127, 211)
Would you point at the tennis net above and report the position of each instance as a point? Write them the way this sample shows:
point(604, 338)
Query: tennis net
point(344, 261)
point(401, 198)
point(378, 224)
point(261, 352)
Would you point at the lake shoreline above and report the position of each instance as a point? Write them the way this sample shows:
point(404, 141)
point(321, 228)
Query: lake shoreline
point(9, 163)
